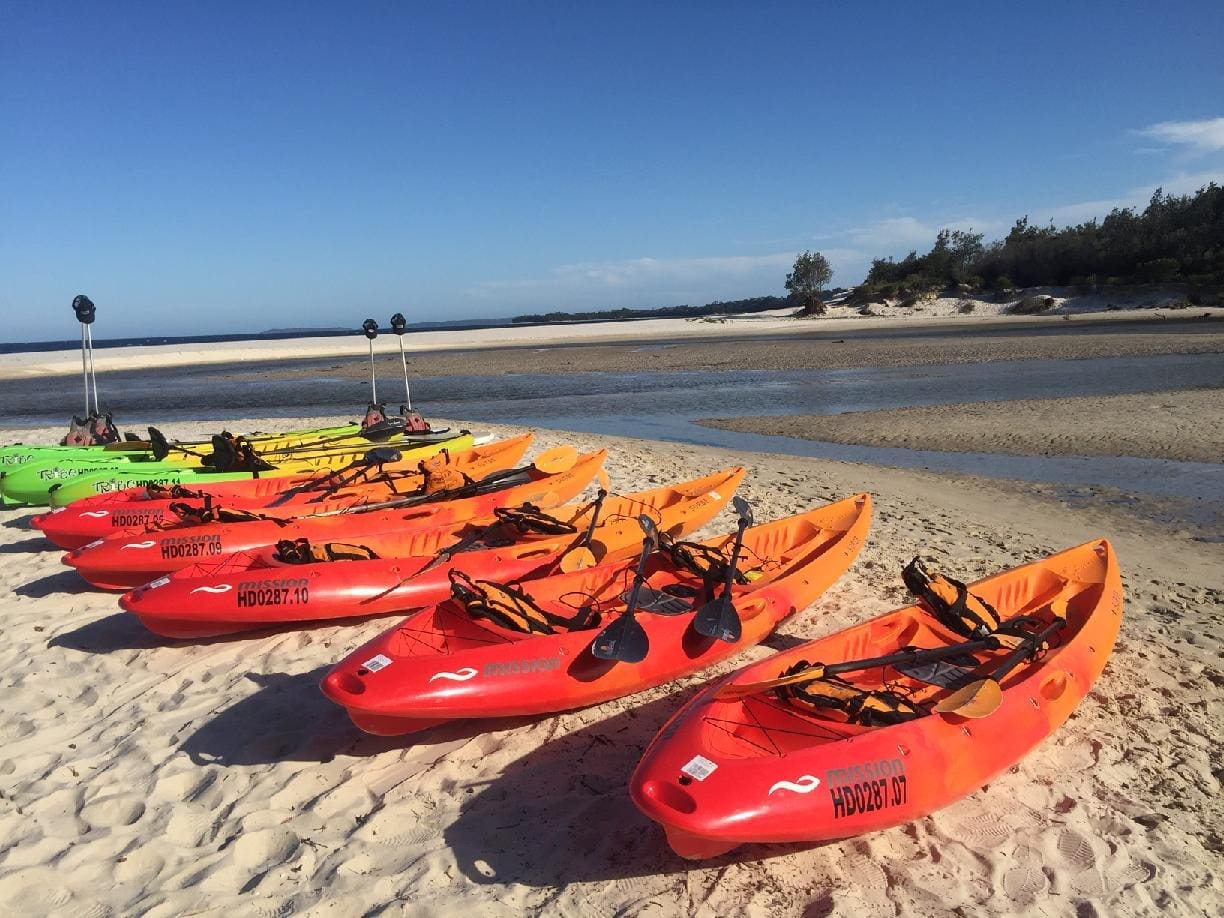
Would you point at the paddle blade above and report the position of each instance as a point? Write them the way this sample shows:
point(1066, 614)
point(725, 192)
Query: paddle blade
point(718, 619)
point(624, 640)
point(744, 510)
point(651, 532)
point(380, 455)
point(602, 477)
point(557, 459)
point(978, 699)
point(735, 690)
point(576, 559)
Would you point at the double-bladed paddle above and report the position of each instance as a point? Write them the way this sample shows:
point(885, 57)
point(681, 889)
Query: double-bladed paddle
point(624, 639)
point(718, 618)
point(982, 698)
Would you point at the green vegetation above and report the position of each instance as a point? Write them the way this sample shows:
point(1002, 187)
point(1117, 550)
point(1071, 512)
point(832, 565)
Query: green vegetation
point(732, 307)
point(807, 278)
point(1175, 239)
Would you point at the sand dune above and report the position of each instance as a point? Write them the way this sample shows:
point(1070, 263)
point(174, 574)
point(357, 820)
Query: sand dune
point(146, 776)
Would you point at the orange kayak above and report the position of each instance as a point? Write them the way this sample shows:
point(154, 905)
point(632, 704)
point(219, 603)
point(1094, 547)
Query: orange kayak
point(137, 509)
point(123, 561)
point(444, 663)
point(884, 745)
point(260, 588)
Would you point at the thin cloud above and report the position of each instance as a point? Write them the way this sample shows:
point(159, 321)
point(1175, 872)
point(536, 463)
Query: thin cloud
point(643, 274)
point(1206, 136)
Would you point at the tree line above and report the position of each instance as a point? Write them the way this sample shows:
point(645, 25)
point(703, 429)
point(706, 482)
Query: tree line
point(731, 307)
point(1174, 239)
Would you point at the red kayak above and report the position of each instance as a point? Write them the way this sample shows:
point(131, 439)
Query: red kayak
point(410, 569)
point(567, 641)
point(122, 561)
point(137, 509)
point(889, 720)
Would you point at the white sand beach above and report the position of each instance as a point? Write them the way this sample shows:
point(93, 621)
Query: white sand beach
point(146, 776)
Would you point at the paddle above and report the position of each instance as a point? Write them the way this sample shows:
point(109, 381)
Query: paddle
point(982, 698)
point(718, 618)
point(85, 311)
point(624, 639)
point(398, 325)
point(370, 327)
point(550, 462)
point(820, 670)
point(579, 556)
point(445, 555)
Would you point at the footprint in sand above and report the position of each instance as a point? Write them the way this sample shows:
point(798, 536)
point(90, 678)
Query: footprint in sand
point(186, 786)
point(140, 868)
point(1075, 850)
point(399, 826)
point(33, 891)
point(266, 848)
point(191, 826)
point(113, 811)
point(1024, 884)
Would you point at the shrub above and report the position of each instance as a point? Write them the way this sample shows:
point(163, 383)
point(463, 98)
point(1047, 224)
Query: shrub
point(1032, 305)
point(964, 307)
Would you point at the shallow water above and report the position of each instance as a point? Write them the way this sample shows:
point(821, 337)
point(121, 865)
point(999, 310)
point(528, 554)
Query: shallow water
point(663, 406)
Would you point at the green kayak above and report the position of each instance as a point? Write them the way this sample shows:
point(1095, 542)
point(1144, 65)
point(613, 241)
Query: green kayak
point(59, 483)
point(18, 454)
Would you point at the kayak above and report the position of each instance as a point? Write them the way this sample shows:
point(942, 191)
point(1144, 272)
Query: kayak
point(136, 509)
point(761, 757)
point(411, 569)
point(60, 483)
point(17, 454)
point(123, 561)
point(447, 661)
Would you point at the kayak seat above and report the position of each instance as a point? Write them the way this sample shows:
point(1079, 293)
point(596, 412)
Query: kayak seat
point(513, 609)
point(301, 551)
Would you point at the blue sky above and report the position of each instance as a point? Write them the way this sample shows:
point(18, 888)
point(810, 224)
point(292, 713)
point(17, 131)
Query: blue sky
point(218, 167)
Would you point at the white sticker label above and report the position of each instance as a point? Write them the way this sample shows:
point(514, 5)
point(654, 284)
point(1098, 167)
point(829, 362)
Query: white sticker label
point(59, 509)
point(699, 767)
point(716, 495)
point(374, 664)
point(160, 581)
point(94, 544)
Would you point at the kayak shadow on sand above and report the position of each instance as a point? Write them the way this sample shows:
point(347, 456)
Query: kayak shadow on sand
point(289, 719)
point(562, 814)
point(118, 631)
point(20, 523)
point(67, 582)
point(28, 546)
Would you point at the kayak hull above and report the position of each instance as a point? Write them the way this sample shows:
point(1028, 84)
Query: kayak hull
point(729, 771)
point(257, 590)
point(442, 663)
point(125, 560)
point(134, 510)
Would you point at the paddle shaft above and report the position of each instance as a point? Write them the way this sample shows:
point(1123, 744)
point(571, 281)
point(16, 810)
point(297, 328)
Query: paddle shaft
point(1027, 648)
point(850, 666)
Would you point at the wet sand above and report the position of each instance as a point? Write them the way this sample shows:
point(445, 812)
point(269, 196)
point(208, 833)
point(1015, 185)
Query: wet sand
point(1187, 425)
point(814, 346)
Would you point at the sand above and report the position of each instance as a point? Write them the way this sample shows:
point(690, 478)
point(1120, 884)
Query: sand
point(1186, 425)
point(730, 333)
point(139, 775)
